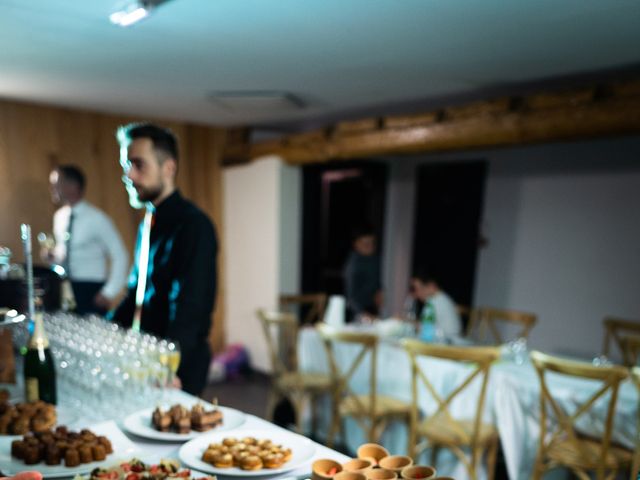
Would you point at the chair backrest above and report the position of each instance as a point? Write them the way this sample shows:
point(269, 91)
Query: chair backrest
point(467, 315)
point(281, 333)
point(564, 426)
point(480, 358)
point(315, 304)
point(342, 375)
point(616, 330)
point(488, 318)
point(630, 350)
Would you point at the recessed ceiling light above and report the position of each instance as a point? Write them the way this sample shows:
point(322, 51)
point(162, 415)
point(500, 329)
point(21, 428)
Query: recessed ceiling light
point(133, 11)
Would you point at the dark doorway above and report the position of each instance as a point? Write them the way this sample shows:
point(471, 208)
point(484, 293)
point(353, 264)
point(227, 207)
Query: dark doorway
point(447, 225)
point(337, 198)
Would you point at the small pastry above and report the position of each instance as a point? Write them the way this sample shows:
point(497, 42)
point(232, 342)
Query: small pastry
point(239, 456)
point(254, 449)
point(71, 458)
point(104, 441)
point(265, 443)
point(229, 441)
point(31, 455)
point(286, 454)
point(85, 454)
point(52, 455)
point(98, 451)
point(251, 462)
point(223, 461)
point(210, 455)
point(275, 460)
point(249, 441)
point(17, 448)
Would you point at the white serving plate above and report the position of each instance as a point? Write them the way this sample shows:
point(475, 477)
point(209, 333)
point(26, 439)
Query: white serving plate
point(123, 449)
point(139, 423)
point(301, 447)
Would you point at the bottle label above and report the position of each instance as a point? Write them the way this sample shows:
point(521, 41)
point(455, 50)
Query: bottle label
point(31, 389)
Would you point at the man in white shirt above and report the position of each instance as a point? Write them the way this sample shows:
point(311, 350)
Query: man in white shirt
point(426, 289)
point(88, 245)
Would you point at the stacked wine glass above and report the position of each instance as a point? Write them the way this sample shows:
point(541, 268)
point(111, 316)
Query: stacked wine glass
point(103, 370)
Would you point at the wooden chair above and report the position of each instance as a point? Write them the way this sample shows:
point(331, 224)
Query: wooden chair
point(488, 318)
point(441, 429)
point(635, 464)
point(372, 411)
point(281, 333)
point(630, 350)
point(467, 315)
point(616, 330)
point(560, 443)
point(315, 304)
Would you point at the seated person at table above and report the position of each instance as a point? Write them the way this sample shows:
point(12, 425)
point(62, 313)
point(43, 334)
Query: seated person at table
point(362, 275)
point(425, 289)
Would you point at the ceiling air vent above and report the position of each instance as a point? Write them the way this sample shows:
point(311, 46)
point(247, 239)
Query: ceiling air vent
point(257, 101)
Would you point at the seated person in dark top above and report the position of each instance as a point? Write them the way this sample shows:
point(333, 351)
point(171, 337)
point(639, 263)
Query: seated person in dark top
point(181, 269)
point(362, 275)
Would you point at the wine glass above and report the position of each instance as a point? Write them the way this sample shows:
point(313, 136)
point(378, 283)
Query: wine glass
point(173, 354)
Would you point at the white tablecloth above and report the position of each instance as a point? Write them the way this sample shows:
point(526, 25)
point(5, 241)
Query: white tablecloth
point(158, 449)
point(170, 450)
point(512, 402)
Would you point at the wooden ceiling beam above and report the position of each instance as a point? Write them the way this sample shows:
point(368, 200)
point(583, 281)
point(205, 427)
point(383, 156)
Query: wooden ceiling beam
point(596, 111)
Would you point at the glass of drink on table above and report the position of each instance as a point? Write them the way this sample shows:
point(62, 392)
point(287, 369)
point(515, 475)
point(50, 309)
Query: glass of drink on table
point(169, 356)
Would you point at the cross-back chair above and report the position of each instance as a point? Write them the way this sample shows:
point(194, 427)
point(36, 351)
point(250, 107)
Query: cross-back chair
point(630, 350)
point(487, 319)
point(372, 411)
point(281, 333)
point(441, 429)
point(560, 442)
point(314, 303)
point(617, 331)
point(467, 315)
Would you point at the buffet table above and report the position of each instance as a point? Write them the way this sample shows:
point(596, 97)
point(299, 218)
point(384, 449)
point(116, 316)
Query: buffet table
point(169, 450)
point(152, 451)
point(512, 401)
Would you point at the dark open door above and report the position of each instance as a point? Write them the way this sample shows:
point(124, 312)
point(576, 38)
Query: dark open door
point(447, 234)
point(337, 199)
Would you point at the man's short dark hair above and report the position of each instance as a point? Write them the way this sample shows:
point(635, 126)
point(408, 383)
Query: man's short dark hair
point(425, 277)
point(363, 231)
point(73, 174)
point(163, 139)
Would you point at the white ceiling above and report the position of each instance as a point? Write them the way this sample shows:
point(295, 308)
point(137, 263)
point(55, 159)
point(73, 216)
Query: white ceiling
point(337, 56)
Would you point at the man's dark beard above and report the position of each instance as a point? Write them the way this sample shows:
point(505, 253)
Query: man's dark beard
point(149, 195)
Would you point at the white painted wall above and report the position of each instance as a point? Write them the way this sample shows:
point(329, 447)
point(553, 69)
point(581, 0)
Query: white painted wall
point(262, 244)
point(563, 233)
point(398, 235)
point(290, 200)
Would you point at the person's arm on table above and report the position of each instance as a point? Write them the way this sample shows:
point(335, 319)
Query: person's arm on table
point(24, 476)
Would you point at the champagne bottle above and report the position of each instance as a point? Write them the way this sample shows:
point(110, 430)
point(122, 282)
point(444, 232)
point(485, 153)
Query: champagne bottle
point(39, 370)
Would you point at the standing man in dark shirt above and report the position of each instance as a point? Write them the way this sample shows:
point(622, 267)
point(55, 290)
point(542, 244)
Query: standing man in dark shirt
point(362, 275)
point(178, 297)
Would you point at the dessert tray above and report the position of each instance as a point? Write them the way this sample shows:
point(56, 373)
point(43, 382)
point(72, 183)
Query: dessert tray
point(302, 451)
point(140, 424)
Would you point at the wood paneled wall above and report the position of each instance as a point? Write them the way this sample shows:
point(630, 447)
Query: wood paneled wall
point(35, 138)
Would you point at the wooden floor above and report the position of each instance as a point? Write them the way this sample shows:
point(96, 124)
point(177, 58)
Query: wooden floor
point(247, 393)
